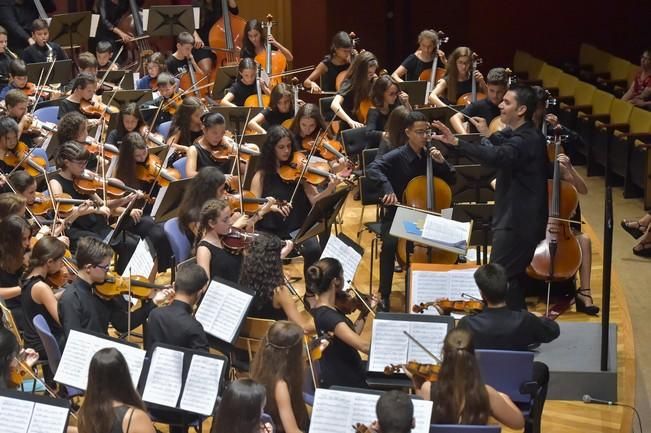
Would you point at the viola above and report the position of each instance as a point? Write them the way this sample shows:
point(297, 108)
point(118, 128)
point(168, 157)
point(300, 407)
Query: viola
point(115, 285)
point(317, 345)
point(31, 164)
point(273, 62)
point(152, 170)
point(97, 109)
point(316, 172)
point(427, 372)
point(43, 204)
point(227, 36)
point(446, 306)
point(237, 240)
point(228, 148)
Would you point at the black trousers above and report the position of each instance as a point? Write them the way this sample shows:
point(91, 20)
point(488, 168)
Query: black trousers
point(387, 257)
point(153, 232)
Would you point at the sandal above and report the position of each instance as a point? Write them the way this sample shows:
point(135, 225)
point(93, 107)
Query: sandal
point(635, 231)
point(645, 251)
point(581, 307)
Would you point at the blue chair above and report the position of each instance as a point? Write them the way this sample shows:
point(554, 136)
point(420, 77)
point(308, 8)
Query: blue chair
point(41, 153)
point(451, 428)
point(179, 164)
point(52, 350)
point(178, 240)
point(164, 128)
point(47, 114)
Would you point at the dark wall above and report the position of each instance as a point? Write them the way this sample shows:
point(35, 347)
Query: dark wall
point(551, 30)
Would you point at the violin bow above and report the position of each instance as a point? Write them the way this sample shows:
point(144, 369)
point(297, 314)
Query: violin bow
point(359, 296)
point(115, 59)
point(47, 388)
point(240, 181)
point(23, 159)
point(38, 92)
point(38, 85)
point(418, 343)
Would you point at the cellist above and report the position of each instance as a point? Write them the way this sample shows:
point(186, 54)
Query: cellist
point(210, 13)
point(177, 63)
point(255, 42)
point(392, 172)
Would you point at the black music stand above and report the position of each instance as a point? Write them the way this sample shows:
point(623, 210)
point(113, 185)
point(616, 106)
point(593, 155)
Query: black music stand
point(168, 208)
point(236, 117)
point(321, 216)
point(61, 72)
point(123, 97)
point(473, 184)
point(169, 20)
point(441, 114)
point(416, 91)
point(226, 75)
point(115, 77)
point(73, 28)
point(481, 235)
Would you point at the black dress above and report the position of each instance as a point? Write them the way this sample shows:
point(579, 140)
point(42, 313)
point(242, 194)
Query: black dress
point(273, 222)
point(14, 304)
point(223, 264)
point(31, 309)
point(329, 79)
point(414, 67)
point(463, 87)
point(205, 159)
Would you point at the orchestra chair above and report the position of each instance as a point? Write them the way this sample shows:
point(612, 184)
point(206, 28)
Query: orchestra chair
point(619, 90)
point(550, 76)
point(581, 100)
point(618, 70)
point(566, 86)
point(516, 381)
point(178, 240)
point(179, 165)
point(533, 72)
point(354, 141)
point(324, 107)
point(457, 428)
point(252, 334)
point(600, 147)
point(47, 114)
point(599, 108)
point(634, 144)
point(164, 128)
point(52, 351)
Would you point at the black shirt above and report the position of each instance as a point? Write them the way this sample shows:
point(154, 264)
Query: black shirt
point(79, 308)
point(505, 329)
point(329, 79)
point(348, 104)
point(205, 159)
point(176, 66)
point(86, 222)
point(520, 157)
point(223, 264)
point(67, 106)
point(11, 280)
point(414, 67)
point(463, 87)
point(483, 108)
point(340, 363)
point(4, 69)
point(37, 54)
point(175, 325)
point(272, 117)
point(31, 310)
point(241, 91)
point(17, 18)
point(274, 186)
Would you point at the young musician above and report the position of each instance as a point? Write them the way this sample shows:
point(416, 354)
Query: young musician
point(385, 96)
point(110, 12)
point(520, 155)
point(395, 413)
point(82, 307)
point(155, 64)
point(177, 63)
point(262, 271)
point(129, 120)
point(83, 89)
point(187, 125)
point(15, 237)
point(278, 366)
point(17, 78)
point(459, 395)
point(355, 88)
point(394, 134)
point(5, 57)
point(10, 353)
point(211, 12)
point(338, 60)
point(166, 99)
point(422, 59)
point(8, 141)
point(112, 403)
point(307, 123)
point(457, 80)
point(42, 51)
point(341, 363)
point(488, 109)
point(244, 85)
point(392, 172)
point(17, 104)
point(104, 53)
point(17, 17)
point(174, 324)
point(240, 410)
point(256, 43)
point(204, 152)
point(281, 108)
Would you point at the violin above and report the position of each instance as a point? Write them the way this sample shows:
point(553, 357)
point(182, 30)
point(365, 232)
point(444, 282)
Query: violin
point(43, 204)
point(96, 148)
point(473, 96)
point(31, 89)
point(316, 172)
point(153, 84)
point(61, 277)
point(172, 104)
point(361, 428)
point(227, 36)
point(228, 148)
point(328, 149)
point(152, 170)
point(115, 285)
point(446, 306)
point(250, 202)
point(31, 164)
point(89, 183)
point(237, 240)
point(317, 345)
point(427, 372)
point(17, 376)
point(348, 301)
point(35, 126)
point(97, 110)
point(273, 62)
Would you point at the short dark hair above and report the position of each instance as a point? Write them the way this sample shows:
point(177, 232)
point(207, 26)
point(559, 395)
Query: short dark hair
point(104, 47)
point(7, 126)
point(413, 117)
point(21, 180)
point(39, 24)
point(86, 60)
point(165, 78)
point(82, 80)
point(185, 38)
point(91, 251)
point(497, 76)
point(211, 119)
point(3, 31)
point(17, 68)
point(190, 279)
point(525, 95)
point(15, 97)
point(395, 412)
point(492, 282)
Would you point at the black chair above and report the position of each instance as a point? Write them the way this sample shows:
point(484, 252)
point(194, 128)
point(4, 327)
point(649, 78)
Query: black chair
point(324, 107)
point(354, 141)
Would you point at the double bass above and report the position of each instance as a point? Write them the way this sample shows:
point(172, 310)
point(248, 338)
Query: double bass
point(227, 35)
point(131, 23)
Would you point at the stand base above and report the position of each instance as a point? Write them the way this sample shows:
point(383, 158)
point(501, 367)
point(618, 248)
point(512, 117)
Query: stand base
point(574, 363)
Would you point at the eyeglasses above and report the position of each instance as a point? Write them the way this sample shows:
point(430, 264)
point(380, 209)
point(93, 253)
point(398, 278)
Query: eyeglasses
point(81, 163)
point(421, 131)
point(104, 267)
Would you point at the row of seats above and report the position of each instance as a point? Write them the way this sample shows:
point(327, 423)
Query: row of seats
point(614, 135)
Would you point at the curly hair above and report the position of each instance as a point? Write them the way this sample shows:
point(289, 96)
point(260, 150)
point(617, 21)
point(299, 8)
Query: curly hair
point(262, 268)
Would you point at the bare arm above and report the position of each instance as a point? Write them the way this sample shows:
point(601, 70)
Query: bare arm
point(227, 100)
point(191, 162)
point(283, 299)
point(351, 338)
point(203, 259)
point(629, 93)
point(399, 73)
point(503, 409)
point(310, 82)
point(456, 122)
point(256, 122)
point(336, 107)
point(140, 422)
point(439, 90)
point(285, 411)
point(43, 294)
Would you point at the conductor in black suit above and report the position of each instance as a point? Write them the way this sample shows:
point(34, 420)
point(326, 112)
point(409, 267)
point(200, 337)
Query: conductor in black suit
point(519, 154)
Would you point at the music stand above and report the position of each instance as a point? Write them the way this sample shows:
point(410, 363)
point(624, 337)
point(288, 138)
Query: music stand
point(441, 114)
point(481, 235)
point(123, 97)
point(225, 77)
point(169, 20)
point(416, 91)
point(61, 72)
point(73, 28)
point(169, 206)
point(473, 184)
point(321, 216)
point(115, 77)
point(236, 117)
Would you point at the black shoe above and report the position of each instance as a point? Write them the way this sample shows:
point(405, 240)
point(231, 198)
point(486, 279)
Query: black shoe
point(581, 307)
point(384, 305)
point(636, 232)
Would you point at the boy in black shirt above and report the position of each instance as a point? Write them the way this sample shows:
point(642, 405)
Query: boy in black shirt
point(42, 51)
point(177, 63)
point(496, 83)
point(166, 90)
point(17, 77)
point(5, 57)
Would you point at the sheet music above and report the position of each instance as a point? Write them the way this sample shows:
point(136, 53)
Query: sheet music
point(141, 262)
point(79, 350)
point(445, 231)
point(165, 377)
point(428, 286)
point(48, 418)
point(430, 335)
point(349, 258)
point(463, 281)
point(389, 345)
point(338, 411)
point(145, 19)
point(15, 414)
point(202, 385)
point(94, 22)
point(196, 14)
point(158, 201)
point(222, 310)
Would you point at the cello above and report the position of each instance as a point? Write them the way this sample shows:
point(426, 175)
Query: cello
point(473, 96)
point(558, 256)
point(226, 36)
point(427, 75)
point(273, 62)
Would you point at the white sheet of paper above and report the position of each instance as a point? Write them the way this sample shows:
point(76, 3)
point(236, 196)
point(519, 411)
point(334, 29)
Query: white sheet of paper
point(145, 19)
point(158, 201)
point(430, 335)
point(165, 377)
point(48, 418)
point(463, 281)
point(80, 348)
point(444, 230)
point(428, 286)
point(389, 344)
point(349, 258)
point(196, 14)
point(94, 22)
point(222, 310)
point(15, 414)
point(202, 385)
point(141, 262)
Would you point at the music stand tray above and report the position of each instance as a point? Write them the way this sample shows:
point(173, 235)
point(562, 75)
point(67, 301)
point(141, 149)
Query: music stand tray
point(321, 215)
point(473, 184)
point(236, 117)
point(169, 20)
point(225, 77)
point(61, 72)
point(441, 114)
point(115, 77)
point(123, 97)
point(415, 89)
point(70, 29)
point(169, 206)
